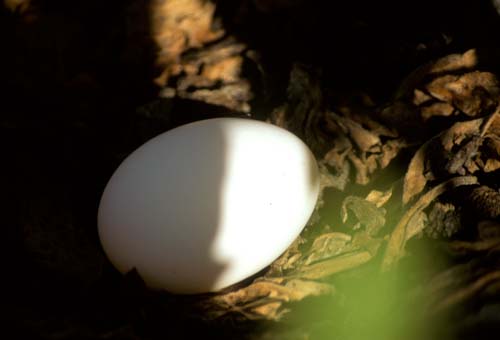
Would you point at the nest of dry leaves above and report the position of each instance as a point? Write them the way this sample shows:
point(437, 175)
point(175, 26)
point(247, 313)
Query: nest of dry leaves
point(410, 194)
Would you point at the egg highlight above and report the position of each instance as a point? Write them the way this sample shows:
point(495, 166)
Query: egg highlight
point(208, 204)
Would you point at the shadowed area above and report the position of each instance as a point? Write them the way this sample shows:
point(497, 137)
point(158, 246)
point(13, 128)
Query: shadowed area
point(160, 211)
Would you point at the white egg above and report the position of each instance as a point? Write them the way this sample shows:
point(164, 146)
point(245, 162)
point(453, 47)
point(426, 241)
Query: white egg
point(208, 204)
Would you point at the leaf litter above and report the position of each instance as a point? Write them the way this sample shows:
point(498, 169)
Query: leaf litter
point(354, 147)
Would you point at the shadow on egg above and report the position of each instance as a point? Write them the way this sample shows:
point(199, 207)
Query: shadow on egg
point(160, 211)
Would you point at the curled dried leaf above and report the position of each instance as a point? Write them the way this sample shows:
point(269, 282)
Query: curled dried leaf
point(448, 64)
point(379, 198)
point(415, 178)
point(471, 93)
point(462, 148)
point(179, 25)
point(327, 245)
point(415, 225)
point(446, 87)
point(398, 238)
point(366, 213)
point(363, 148)
point(212, 75)
point(263, 299)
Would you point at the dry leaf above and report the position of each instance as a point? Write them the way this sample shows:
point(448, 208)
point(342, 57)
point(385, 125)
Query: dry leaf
point(398, 238)
point(332, 266)
point(364, 139)
point(363, 148)
point(446, 87)
point(327, 245)
point(212, 75)
point(459, 147)
point(379, 198)
point(337, 178)
point(179, 25)
point(288, 260)
point(472, 93)
point(366, 213)
point(444, 221)
point(415, 225)
point(449, 64)
point(339, 141)
point(263, 299)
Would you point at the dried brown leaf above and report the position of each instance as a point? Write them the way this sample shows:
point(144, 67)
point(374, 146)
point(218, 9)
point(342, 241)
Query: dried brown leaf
point(420, 97)
point(263, 299)
point(342, 146)
point(233, 96)
point(444, 220)
point(437, 109)
point(450, 63)
point(179, 25)
point(473, 93)
point(364, 139)
point(415, 225)
point(212, 75)
point(287, 260)
point(338, 179)
point(327, 245)
point(458, 145)
point(363, 148)
point(446, 87)
point(367, 213)
point(491, 152)
point(389, 151)
point(379, 198)
point(395, 246)
point(335, 265)
point(361, 169)
point(415, 179)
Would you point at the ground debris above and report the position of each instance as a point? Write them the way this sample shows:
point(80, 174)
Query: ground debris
point(342, 142)
point(450, 86)
point(263, 299)
point(198, 61)
point(486, 202)
point(462, 149)
point(444, 221)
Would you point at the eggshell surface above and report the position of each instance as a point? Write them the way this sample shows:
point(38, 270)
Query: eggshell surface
point(208, 204)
